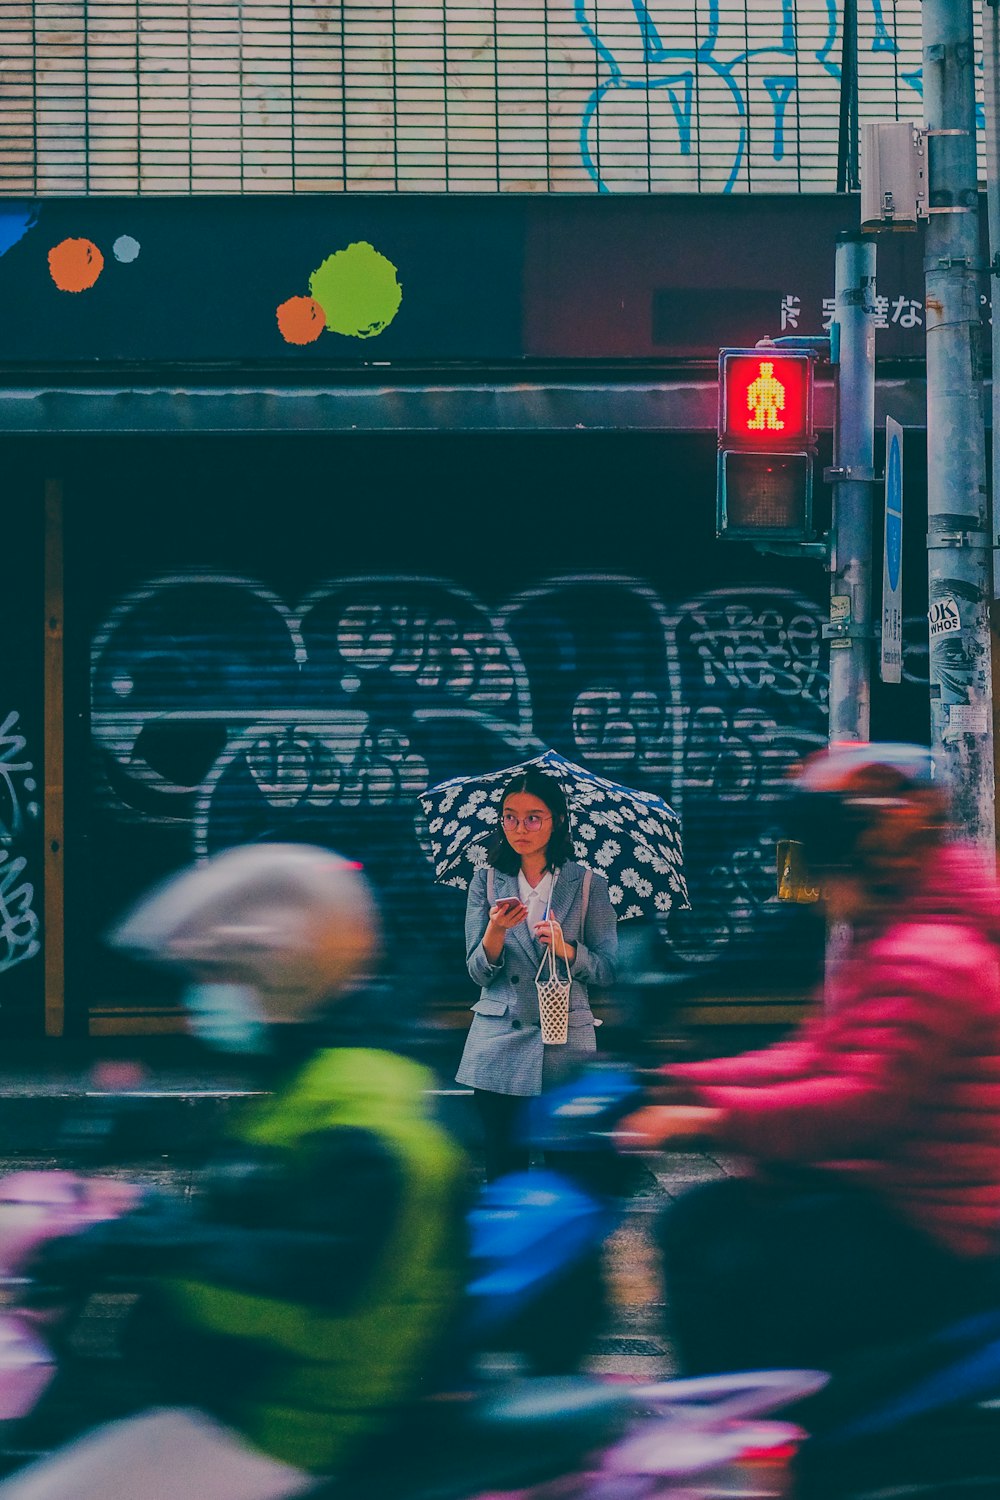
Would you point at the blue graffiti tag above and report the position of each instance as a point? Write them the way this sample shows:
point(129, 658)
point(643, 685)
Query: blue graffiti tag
point(679, 73)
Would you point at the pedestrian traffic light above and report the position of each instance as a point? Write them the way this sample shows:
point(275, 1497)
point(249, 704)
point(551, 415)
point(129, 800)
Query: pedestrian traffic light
point(766, 444)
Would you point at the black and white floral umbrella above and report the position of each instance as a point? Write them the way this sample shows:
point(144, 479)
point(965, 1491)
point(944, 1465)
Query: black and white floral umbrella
point(632, 838)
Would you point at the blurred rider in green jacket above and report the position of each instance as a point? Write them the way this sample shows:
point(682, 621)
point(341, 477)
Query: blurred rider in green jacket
point(292, 1316)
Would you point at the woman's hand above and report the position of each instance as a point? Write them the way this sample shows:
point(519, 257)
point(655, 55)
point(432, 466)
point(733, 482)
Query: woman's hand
point(662, 1124)
point(550, 935)
point(508, 913)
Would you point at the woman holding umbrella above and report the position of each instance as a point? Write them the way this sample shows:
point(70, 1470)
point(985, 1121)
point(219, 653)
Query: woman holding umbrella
point(530, 900)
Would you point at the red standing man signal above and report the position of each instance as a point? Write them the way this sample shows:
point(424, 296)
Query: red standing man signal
point(766, 443)
point(765, 399)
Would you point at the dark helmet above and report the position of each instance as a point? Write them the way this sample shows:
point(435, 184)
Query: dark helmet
point(868, 810)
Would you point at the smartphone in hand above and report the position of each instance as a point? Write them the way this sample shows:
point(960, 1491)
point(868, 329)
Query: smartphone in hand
point(510, 910)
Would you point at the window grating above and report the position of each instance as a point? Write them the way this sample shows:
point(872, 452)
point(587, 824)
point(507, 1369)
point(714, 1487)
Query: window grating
point(239, 96)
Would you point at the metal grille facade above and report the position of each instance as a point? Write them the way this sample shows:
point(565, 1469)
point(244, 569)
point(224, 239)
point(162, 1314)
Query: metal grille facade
point(239, 96)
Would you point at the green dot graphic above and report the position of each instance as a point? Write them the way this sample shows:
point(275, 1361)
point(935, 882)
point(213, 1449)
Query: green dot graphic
point(358, 291)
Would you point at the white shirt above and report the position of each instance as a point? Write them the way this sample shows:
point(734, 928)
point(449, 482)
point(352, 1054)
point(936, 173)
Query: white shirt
point(536, 898)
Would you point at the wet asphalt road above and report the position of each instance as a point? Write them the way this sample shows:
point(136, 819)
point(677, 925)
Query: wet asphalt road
point(632, 1344)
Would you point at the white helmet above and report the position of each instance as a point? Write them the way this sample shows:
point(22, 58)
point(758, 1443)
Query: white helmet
point(296, 924)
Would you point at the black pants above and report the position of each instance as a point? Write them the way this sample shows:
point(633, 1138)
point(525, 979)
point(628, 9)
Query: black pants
point(801, 1272)
point(500, 1115)
point(555, 1332)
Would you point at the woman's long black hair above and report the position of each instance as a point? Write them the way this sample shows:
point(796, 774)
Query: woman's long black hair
point(501, 854)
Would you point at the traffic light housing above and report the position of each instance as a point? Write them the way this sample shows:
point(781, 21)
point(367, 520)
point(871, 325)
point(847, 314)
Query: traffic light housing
point(767, 444)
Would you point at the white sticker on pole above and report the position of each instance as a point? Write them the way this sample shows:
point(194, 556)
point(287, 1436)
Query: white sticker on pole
point(944, 617)
point(968, 718)
point(891, 660)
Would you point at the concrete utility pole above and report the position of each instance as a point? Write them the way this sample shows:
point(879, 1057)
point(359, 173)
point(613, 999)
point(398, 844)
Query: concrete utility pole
point(959, 556)
point(991, 100)
point(850, 628)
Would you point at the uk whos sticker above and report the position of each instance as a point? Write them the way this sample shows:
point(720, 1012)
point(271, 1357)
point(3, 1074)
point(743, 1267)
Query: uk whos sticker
point(944, 617)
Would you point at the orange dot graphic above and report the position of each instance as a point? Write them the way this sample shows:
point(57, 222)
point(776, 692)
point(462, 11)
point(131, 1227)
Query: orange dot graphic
point(301, 320)
point(75, 265)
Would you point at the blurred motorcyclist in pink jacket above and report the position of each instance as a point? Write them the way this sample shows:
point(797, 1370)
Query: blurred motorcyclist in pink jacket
point(869, 1205)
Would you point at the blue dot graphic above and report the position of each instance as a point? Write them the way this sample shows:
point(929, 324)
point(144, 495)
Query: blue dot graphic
point(125, 249)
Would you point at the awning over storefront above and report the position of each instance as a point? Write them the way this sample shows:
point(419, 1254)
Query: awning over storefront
point(79, 407)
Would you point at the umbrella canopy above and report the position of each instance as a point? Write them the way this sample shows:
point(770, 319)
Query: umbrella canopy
point(632, 838)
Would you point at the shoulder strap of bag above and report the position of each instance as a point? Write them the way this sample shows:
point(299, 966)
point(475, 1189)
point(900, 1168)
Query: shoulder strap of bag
point(491, 884)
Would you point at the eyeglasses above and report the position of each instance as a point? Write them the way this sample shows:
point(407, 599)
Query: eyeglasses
point(531, 822)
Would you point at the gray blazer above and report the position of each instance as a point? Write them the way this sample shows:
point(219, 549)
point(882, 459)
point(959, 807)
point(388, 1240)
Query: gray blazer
point(504, 1051)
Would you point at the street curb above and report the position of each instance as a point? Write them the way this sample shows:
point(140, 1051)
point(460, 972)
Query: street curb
point(143, 1123)
point(139, 1123)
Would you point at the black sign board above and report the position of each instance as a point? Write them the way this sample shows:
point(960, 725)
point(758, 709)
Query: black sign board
point(308, 282)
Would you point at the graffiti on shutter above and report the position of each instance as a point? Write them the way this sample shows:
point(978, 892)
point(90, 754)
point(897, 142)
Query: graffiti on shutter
point(225, 713)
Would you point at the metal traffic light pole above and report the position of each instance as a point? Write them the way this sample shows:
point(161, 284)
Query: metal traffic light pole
point(847, 551)
point(850, 629)
point(765, 471)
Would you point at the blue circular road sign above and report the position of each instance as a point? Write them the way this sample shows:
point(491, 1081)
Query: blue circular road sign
point(893, 512)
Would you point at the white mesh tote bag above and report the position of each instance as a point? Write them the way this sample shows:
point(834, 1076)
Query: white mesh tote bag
point(553, 989)
point(553, 998)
